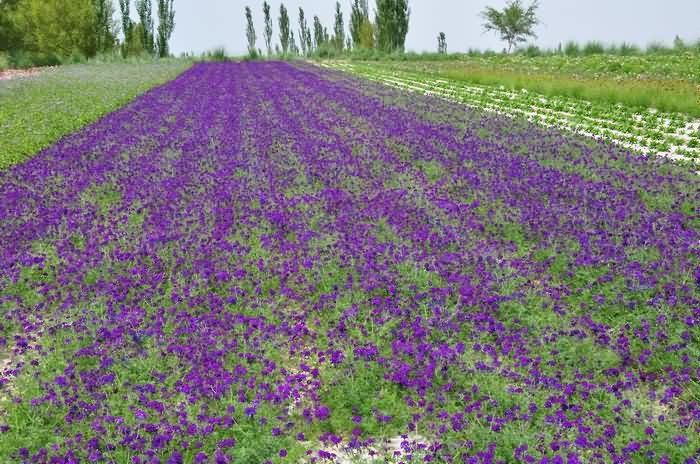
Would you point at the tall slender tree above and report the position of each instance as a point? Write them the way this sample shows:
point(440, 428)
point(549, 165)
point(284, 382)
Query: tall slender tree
point(308, 39)
point(105, 26)
point(284, 28)
point(318, 33)
point(293, 48)
point(392, 18)
point(268, 28)
point(442, 43)
point(250, 31)
point(145, 12)
point(359, 15)
point(302, 32)
point(166, 24)
point(127, 26)
point(338, 28)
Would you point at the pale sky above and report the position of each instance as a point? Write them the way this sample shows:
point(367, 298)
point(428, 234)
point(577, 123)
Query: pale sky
point(204, 24)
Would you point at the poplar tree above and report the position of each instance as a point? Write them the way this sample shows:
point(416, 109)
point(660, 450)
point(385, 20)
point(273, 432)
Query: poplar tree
point(302, 32)
point(250, 31)
point(359, 13)
point(339, 28)
point(268, 28)
point(127, 26)
point(166, 24)
point(318, 33)
point(105, 26)
point(293, 48)
point(284, 29)
point(442, 43)
point(145, 12)
point(392, 18)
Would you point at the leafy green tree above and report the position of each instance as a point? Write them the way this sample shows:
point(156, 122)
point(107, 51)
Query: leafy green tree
point(10, 34)
point(58, 27)
point(303, 26)
point(105, 25)
point(293, 48)
point(308, 39)
point(392, 18)
point(127, 26)
point(318, 33)
point(284, 28)
point(250, 31)
point(136, 46)
point(166, 24)
point(514, 24)
point(268, 28)
point(442, 43)
point(338, 29)
point(359, 15)
point(145, 12)
point(368, 35)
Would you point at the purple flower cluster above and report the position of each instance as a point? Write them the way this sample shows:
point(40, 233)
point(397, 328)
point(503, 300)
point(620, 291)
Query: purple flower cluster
point(260, 260)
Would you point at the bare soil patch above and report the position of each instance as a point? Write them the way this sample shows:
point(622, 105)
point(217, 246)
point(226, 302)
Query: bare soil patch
point(9, 74)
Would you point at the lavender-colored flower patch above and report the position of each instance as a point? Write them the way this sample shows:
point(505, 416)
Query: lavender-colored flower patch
point(262, 262)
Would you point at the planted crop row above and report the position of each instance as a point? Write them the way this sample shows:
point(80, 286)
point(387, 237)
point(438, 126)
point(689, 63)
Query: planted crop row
point(37, 111)
point(672, 135)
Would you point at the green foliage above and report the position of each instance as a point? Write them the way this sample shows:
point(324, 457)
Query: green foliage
point(572, 49)
point(392, 24)
point(319, 36)
point(166, 24)
point(127, 26)
point(284, 28)
point(304, 33)
point(144, 10)
point(37, 112)
point(57, 27)
point(593, 48)
point(359, 18)
point(339, 28)
point(250, 31)
point(268, 28)
point(514, 23)
point(10, 35)
point(105, 25)
point(368, 32)
point(293, 47)
point(215, 54)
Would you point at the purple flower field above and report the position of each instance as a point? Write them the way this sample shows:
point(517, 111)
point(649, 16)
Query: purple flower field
point(266, 262)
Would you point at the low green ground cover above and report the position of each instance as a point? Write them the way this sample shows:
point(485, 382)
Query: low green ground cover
point(37, 111)
point(666, 83)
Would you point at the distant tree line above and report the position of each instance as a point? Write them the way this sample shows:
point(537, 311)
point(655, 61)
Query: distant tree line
point(385, 32)
point(85, 28)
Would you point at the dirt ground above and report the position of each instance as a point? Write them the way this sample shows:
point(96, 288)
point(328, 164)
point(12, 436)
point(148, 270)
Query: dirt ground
point(20, 73)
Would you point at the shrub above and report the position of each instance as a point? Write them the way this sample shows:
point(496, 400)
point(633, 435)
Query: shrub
point(572, 49)
point(22, 59)
point(626, 49)
point(658, 48)
point(593, 48)
point(532, 51)
point(216, 54)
